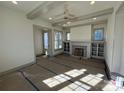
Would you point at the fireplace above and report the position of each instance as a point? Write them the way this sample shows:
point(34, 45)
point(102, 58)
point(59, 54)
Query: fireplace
point(81, 49)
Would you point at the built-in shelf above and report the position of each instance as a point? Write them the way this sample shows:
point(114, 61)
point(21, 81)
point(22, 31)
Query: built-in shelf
point(97, 49)
point(66, 45)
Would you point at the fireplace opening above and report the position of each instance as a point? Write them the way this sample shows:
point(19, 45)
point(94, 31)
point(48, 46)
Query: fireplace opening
point(79, 51)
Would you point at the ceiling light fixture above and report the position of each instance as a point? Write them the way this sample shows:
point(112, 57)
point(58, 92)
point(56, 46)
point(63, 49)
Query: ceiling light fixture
point(94, 18)
point(50, 18)
point(92, 2)
point(15, 2)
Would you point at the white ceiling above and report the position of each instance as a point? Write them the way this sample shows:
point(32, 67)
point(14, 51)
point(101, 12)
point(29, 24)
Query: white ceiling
point(25, 6)
point(78, 8)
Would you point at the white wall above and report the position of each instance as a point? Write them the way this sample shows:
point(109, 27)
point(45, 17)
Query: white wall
point(118, 52)
point(114, 41)
point(16, 39)
point(109, 41)
point(84, 33)
point(122, 57)
point(38, 44)
point(81, 33)
point(117, 45)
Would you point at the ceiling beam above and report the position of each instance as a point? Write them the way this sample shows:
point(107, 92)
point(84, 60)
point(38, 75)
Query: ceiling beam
point(89, 23)
point(119, 5)
point(45, 7)
point(36, 12)
point(88, 16)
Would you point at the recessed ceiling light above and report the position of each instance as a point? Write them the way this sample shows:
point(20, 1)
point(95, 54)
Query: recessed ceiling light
point(94, 18)
point(92, 2)
point(15, 2)
point(50, 18)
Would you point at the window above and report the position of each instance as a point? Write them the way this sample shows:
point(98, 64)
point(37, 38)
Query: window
point(67, 36)
point(99, 34)
point(45, 40)
point(58, 40)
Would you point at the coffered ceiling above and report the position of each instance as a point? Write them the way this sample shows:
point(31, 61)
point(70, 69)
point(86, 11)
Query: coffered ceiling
point(54, 9)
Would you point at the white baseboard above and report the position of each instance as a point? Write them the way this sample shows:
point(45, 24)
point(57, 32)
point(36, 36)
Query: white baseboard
point(16, 68)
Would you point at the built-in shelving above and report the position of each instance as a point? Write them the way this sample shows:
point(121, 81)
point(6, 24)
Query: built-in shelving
point(66, 45)
point(97, 48)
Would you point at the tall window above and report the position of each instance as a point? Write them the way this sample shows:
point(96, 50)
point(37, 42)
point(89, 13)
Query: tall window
point(67, 36)
point(58, 40)
point(99, 34)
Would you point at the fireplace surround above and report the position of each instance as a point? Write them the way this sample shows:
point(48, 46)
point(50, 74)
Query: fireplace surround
point(79, 48)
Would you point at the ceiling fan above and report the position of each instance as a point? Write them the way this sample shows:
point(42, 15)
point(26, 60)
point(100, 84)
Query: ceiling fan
point(66, 15)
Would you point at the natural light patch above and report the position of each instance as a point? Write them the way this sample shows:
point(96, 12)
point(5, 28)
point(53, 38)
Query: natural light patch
point(48, 80)
point(83, 70)
point(54, 83)
point(83, 85)
point(74, 73)
point(80, 89)
point(110, 87)
point(94, 81)
point(91, 79)
point(76, 86)
point(56, 80)
point(64, 76)
point(66, 89)
point(46, 53)
point(120, 89)
point(87, 78)
point(100, 75)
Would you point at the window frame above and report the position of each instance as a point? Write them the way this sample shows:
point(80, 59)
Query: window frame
point(93, 38)
point(58, 40)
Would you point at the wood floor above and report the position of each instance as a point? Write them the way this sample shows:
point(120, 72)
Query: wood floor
point(62, 72)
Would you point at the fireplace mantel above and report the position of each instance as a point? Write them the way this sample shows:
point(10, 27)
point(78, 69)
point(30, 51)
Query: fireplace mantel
point(80, 41)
